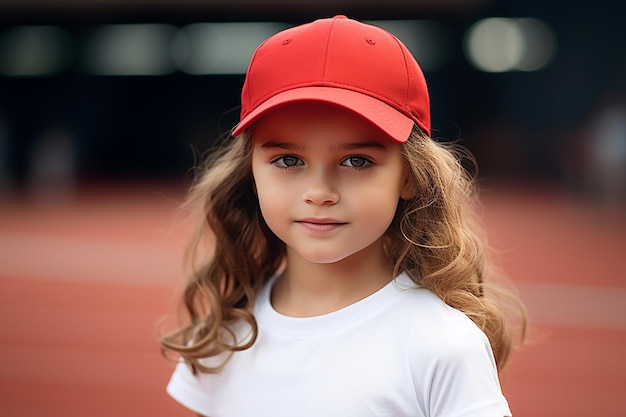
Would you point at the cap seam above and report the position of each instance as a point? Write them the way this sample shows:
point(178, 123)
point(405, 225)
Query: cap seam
point(255, 56)
point(330, 41)
point(406, 70)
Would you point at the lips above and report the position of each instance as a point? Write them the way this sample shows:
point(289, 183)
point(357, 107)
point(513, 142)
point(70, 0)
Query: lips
point(321, 224)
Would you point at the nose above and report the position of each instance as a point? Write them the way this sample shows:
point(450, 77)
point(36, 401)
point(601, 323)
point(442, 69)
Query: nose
point(319, 189)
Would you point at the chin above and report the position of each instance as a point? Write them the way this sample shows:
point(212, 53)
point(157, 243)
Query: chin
point(323, 258)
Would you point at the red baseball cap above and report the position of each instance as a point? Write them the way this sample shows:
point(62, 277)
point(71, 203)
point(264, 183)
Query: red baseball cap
point(338, 61)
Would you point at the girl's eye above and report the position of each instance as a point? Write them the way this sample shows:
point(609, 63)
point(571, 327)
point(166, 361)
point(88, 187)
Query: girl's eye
point(287, 161)
point(358, 162)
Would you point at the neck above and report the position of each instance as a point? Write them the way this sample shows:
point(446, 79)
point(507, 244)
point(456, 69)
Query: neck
point(309, 289)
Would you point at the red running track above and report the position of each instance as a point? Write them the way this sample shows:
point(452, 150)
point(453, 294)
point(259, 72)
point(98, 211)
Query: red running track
point(84, 283)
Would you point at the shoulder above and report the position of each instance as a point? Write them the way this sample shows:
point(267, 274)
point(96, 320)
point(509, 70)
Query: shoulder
point(423, 313)
point(452, 366)
point(437, 333)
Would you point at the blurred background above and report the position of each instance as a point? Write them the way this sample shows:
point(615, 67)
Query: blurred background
point(105, 106)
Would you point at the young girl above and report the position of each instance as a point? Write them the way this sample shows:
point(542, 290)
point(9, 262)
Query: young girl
point(346, 278)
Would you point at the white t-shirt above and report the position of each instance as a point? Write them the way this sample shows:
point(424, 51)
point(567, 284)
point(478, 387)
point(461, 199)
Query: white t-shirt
point(399, 352)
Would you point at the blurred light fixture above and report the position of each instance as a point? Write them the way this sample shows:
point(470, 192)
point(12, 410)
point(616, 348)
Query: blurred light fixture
point(502, 44)
point(429, 41)
point(130, 49)
point(220, 48)
point(34, 51)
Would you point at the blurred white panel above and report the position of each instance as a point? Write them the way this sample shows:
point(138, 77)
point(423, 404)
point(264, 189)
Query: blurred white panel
point(34, 51)
point(501, 44)
point(430, 42)
point(220, 48)
point(131, 49)
point(494, 45)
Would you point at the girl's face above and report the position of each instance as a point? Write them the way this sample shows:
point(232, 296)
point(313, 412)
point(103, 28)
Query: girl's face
point(328, 182)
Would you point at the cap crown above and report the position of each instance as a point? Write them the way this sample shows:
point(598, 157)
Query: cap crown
point(340, 53)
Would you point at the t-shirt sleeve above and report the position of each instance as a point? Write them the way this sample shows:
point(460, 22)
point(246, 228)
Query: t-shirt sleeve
point(186, 388)
point(462, 378)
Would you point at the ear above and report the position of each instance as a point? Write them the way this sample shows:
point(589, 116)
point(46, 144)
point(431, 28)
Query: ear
point(408, 188)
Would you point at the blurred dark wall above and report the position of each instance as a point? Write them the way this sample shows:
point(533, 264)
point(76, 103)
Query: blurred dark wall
point(520, 125)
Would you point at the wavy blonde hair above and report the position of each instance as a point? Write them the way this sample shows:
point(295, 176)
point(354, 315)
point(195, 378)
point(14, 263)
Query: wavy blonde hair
point(433, 238)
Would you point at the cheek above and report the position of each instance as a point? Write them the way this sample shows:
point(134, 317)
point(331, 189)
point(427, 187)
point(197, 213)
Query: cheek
point(273, 199)
point(270, 200)
point(375, 205)
point(381, 213)
point(385, 204)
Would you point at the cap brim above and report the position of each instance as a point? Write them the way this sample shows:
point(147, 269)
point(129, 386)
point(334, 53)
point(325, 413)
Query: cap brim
point(389, 120)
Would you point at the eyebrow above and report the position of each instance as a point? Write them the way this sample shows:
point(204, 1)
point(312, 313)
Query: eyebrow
point(282, 145)
point(348, 146)
point(359, 145)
